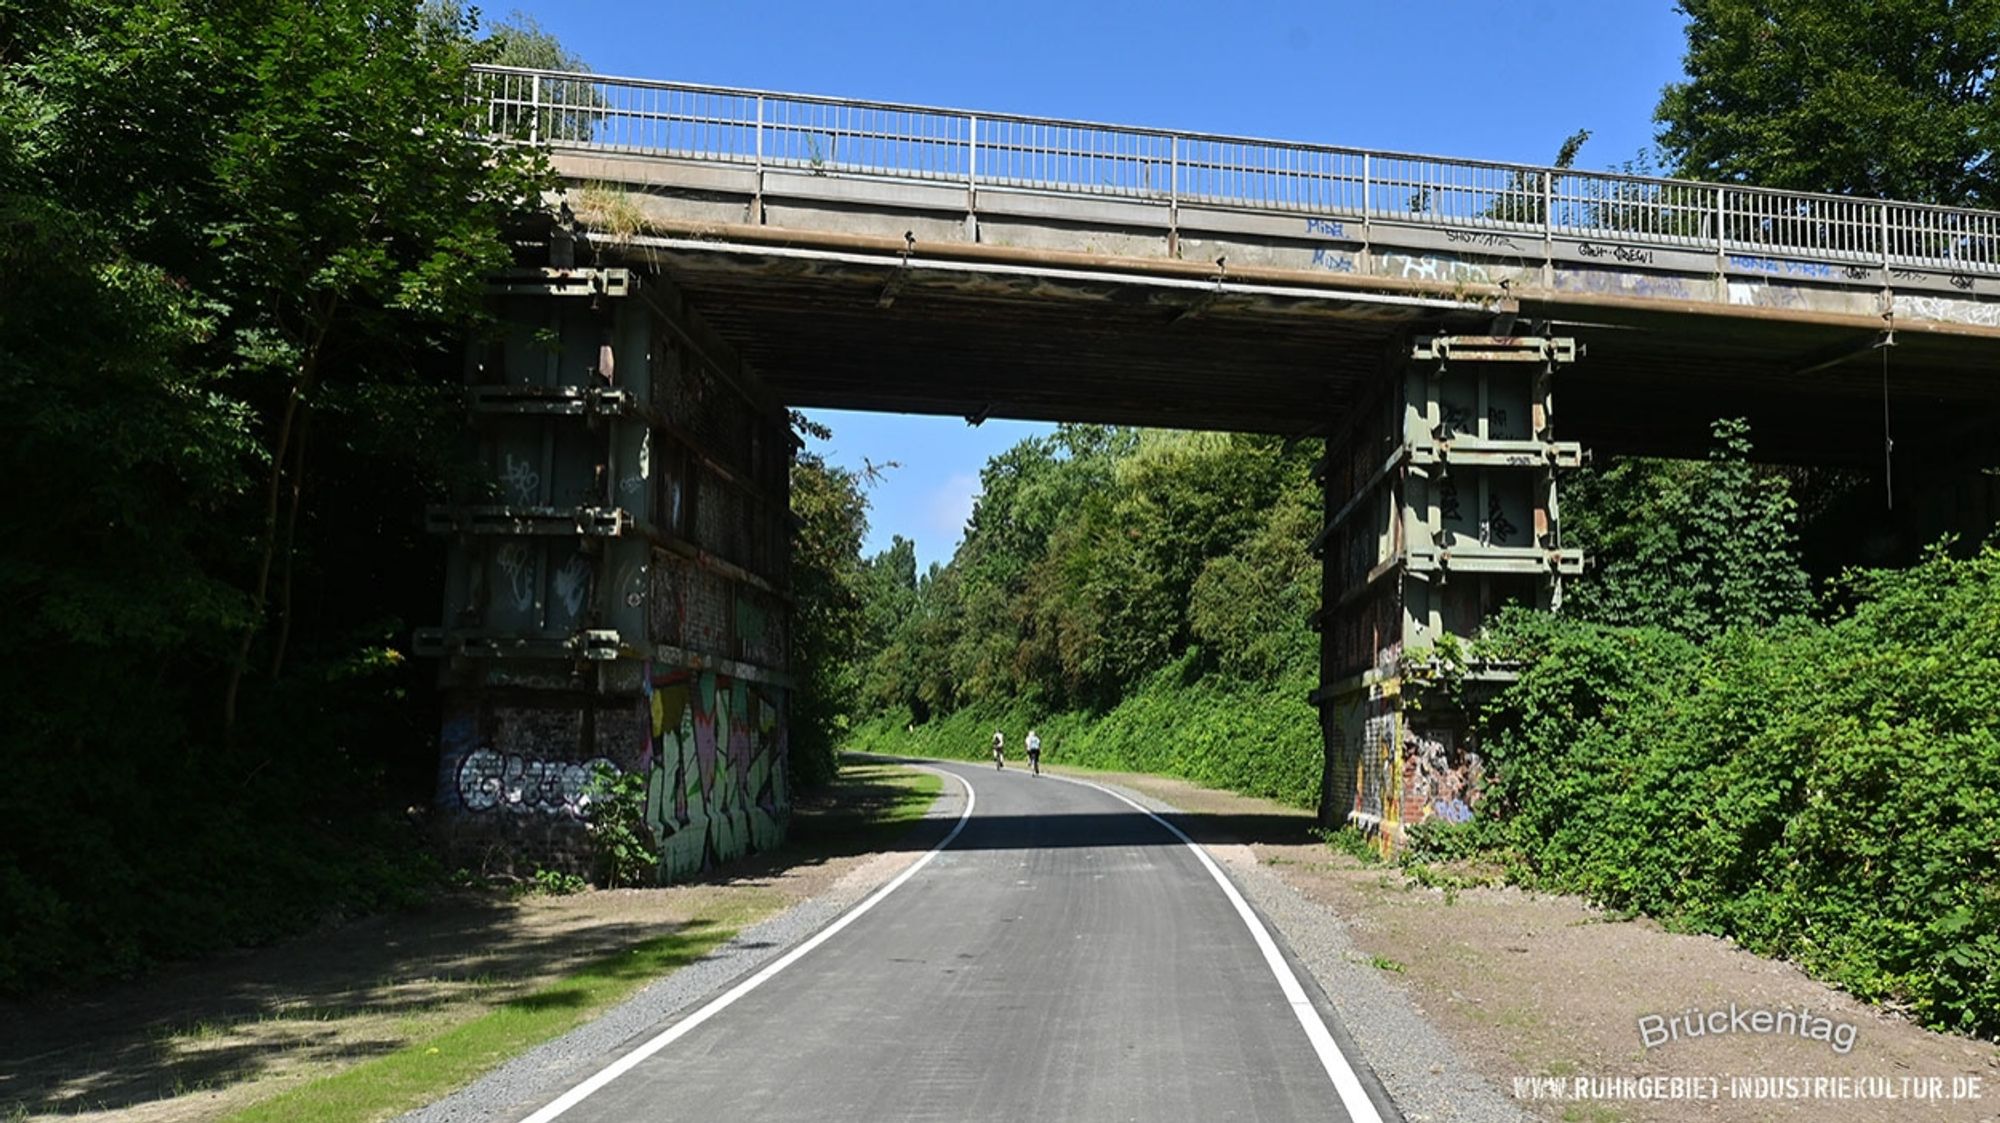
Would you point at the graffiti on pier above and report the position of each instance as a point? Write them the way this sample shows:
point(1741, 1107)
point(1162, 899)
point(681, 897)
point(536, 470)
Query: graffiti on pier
point(489, 780)
point(1439, 778)
point(716, 755)
point(523, 483)
point(573, 582)
point(1326, 228)
point(519, 568)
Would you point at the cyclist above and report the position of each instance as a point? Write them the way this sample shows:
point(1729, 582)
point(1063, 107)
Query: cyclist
point(1034, 753)
point(999, 750)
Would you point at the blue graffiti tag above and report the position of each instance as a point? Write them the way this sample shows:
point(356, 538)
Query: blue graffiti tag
point(1334, 260)
point(1774, 265)
point(1453, 810)
point(1327, 227)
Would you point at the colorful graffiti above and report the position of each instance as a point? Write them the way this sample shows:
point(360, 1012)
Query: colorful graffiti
point(716, 754)
point(1400, 774)
point(1440, 779)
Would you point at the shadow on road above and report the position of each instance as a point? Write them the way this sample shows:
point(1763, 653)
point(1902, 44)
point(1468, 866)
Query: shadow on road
point(1122, 827)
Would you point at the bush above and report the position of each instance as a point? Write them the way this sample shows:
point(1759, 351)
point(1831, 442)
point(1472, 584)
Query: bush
point(1823, 792)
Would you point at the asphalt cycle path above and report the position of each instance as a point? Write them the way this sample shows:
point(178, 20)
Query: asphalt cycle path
point(1063, 955)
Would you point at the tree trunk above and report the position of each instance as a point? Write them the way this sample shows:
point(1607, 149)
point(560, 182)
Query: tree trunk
point(288, 422)
point(298, 478)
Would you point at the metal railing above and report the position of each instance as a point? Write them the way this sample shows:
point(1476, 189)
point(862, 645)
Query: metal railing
point(1831, 237)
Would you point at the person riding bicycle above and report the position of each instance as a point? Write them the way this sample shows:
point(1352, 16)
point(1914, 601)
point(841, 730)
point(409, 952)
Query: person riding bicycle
point(999, 750)
point(1034, 753)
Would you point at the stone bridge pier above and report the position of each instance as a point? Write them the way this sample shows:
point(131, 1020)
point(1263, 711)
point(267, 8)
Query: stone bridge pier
point(617, 606)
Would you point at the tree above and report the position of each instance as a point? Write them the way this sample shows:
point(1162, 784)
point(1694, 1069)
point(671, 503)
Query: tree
point(1695, 547)
point(241, 245)
point(1870, 97)
point(519, 40)
point(1524, 199)
point(831, 518)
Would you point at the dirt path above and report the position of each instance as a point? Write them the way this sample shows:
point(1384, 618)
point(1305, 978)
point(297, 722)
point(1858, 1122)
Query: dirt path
point(1536, 987)
point(203, 1040)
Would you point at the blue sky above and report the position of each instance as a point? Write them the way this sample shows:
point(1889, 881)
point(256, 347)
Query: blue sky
point(1499, 81)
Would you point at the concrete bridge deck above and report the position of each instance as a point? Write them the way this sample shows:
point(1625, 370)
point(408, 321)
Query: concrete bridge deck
point(874, 256)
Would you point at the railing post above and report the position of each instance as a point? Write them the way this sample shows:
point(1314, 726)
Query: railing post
point(535, 111)
point(760, 141)
point(1882, 208)
point(1721, 246)
point(1367, 211)
point(1549, 228)
point(972, 154)
point(1174, 196)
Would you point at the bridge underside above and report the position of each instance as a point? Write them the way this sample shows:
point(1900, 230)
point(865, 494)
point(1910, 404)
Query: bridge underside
point(851, 323)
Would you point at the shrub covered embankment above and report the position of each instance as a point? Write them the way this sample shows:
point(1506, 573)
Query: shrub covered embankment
point(1825, 792)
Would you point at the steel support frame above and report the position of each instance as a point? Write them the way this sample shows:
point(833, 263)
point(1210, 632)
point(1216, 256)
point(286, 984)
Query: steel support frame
point(1441, 507)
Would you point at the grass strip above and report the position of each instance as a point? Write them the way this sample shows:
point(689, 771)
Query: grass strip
point(877, 804)
point(420, 1072)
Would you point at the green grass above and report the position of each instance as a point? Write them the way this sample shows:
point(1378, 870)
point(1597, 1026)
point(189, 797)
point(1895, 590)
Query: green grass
point(420, 1072)
point(878, 803)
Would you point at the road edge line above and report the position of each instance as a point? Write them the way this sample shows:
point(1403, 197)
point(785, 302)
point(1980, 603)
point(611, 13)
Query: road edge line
point(596, 1081)
point(1354, 1096)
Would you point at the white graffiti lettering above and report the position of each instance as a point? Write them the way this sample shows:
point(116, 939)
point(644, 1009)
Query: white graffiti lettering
point(572, 580)
point(492, 781)
point(514, 561)
point(1947, 310)
point(521, 480)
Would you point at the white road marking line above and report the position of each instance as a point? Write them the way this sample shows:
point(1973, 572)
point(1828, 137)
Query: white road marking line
point(1353, 1096)
point(721, 1002)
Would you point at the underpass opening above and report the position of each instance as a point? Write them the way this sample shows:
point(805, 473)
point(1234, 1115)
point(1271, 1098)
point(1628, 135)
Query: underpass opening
point(619, 588)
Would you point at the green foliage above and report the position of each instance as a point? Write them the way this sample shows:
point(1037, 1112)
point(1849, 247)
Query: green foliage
point(240, 242)
point(831, 517)
point(623, 844)
point(1525, 197)
point(1823, 792)
point(1885, 98)
point(1251, 606)
point(556, 883)
point(1093, 559)
point(1349, 840)
point(1261, 740)
point(1692, 546)
point(1139, 597)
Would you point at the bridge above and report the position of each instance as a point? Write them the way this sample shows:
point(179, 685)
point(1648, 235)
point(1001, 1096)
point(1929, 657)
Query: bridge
point(733, 252)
